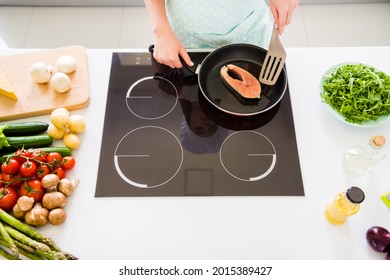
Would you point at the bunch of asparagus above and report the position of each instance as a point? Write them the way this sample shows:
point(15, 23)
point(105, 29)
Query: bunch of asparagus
point(20, 238)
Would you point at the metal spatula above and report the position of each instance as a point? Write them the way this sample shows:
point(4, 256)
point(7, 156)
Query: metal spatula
point(274, 60)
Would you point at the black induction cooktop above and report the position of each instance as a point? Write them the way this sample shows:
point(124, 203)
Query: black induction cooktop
point(162, 138)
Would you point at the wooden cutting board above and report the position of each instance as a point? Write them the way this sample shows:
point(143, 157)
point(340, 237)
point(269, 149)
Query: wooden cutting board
point(39, 99)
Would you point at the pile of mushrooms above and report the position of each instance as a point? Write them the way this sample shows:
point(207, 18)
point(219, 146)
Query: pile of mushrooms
point(60, 81)
point(51, 208)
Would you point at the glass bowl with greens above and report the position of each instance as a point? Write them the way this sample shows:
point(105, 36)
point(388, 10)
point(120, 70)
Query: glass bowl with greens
point(357, 93)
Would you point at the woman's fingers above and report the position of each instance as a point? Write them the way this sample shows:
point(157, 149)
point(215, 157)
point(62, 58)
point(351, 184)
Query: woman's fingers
point(170, 57)
point(282, 11)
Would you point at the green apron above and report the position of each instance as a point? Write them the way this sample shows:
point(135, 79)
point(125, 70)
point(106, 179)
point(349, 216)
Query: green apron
point(215, 23)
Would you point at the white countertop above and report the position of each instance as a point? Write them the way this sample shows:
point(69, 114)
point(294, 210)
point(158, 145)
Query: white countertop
point(234, 227)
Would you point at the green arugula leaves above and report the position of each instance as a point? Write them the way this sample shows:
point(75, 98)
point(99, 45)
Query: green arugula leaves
point(358, 92)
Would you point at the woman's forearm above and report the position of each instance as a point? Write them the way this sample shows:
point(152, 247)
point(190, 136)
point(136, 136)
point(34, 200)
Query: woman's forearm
point(158, 16)
point(167, 47)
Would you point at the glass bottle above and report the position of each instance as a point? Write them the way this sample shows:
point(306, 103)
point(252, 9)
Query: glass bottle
point(344, 205)
point(360, 160)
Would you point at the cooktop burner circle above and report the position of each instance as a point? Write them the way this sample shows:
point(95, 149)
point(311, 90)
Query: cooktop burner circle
point(248, 155)
point(148, 157)
point(147, 97)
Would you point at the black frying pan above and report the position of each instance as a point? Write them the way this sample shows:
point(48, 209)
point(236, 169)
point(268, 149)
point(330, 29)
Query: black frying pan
point(248, 57)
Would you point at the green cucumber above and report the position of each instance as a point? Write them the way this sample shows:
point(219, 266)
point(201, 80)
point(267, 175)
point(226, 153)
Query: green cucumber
point(63, 151)
point(25, 128)
point(26, 142)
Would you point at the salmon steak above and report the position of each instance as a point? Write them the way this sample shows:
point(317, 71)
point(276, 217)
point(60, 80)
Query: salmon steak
point(242, 83)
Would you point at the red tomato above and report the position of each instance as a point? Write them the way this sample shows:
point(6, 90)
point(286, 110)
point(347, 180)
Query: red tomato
point(22, 155)
point(68, 163)
point(54, 158)
point(10, 166)
point(12, 181)
point(28, 169)
point(32, 188)
point(61, 173)
point(2, 184)
point(8, 198)
point(42, 171)
point(39, 156)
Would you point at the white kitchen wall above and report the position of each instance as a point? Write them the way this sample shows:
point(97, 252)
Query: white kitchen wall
point(129, 27)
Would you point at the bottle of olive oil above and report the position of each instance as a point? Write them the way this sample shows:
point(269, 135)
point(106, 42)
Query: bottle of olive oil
point(344, 205)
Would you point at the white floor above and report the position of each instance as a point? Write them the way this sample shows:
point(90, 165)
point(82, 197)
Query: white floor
point(129, 27)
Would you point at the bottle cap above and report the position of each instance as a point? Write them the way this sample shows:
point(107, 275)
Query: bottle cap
point(377, 141)
point(355, 195)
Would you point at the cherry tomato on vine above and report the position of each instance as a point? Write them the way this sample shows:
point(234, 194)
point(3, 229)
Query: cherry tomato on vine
point(54, 158)
point(60, 172)
point(12, 181)
point(22, 155)
point(42, 171)
point(32, 188)
point(8, 198)
point(68, 162)
point(28, 169)
point(10, 166)
point(2, 184)
point(39, 156)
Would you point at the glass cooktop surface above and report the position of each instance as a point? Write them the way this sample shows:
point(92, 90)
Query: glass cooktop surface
point(161, 137)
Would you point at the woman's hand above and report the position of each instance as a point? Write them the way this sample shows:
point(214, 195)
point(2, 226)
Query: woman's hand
point(168, 48)
point(282, 11)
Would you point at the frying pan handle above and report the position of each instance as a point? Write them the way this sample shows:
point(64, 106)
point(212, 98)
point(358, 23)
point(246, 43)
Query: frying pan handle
point(193, 69)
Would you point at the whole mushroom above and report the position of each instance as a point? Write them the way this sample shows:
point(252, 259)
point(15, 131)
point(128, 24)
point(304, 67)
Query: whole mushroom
point(57, 216)
point(53, 200)
point(66, 64)
point(25, 203)
point(40, 72)
point(37, 216)
point(60, 82)
point(65, 186)
point(50, 182)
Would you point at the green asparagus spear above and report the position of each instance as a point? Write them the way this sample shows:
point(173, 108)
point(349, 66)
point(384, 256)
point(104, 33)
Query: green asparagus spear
point(33, 234)
point(51, 255)
point(4, 234)
point(66, 254)
point(23, 250)
point(31, 256)
point(6, 255)
point(25, 239)
point(7, 218)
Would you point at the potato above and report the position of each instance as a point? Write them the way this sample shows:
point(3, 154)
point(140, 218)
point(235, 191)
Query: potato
point(55, 132)
point(60, 118)
point(60, 110)
point(72, 141)
point(77, 124)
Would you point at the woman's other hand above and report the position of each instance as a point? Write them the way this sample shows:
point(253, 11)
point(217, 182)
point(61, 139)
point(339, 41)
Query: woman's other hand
point(282, 11)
